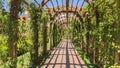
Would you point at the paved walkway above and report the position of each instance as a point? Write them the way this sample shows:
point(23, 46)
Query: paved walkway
point(64, 56)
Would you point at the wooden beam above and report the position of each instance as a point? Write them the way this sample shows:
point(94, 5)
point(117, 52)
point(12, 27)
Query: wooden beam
point(72, 4)
point(62, 5)
point(57, 4)
point(100, 3)
point(24, 1)
point(44, 2)
point(61, 8)
point(36, 2)
point(52, 5)
point(82, 5)
point(77, 4)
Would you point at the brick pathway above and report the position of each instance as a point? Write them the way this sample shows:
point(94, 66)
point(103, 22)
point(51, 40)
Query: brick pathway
point(64, 56)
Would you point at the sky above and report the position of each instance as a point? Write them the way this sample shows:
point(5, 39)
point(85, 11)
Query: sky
point(5, 4)
point(60, 2)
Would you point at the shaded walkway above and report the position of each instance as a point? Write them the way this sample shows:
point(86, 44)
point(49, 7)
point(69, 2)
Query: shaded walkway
point(64, 56)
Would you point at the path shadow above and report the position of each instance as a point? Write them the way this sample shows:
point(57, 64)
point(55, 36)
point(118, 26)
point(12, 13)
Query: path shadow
point(64, 56)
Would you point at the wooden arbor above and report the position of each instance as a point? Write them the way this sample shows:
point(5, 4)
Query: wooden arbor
point(14, 10)
point(74, 9)
point(63, 9)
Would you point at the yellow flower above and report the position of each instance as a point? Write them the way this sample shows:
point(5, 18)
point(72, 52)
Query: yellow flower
point(113, 44)
point(118, 51)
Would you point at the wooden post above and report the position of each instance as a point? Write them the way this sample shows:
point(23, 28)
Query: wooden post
point(96, 51)
point(51, 37)
point(88, 35)
point(44, 36)
point(117, 56)
point(13, 31)
point(35, 38)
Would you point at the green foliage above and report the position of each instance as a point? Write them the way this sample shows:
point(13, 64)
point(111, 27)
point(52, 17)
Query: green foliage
point(24, 60)
point(3, 48)
point(57, 35)
point(84, 56)
point(102, 38)
point(24, 42)
point(115, 66)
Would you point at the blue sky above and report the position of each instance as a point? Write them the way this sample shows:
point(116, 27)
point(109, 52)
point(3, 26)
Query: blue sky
point(49, 3)
point(70, 2)
point(5, 4)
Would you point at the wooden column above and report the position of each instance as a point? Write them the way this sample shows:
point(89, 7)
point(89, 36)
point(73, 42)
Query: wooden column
point(51, 36)
point(97, 25)
point(13, 30)
point(44, 36)
point(88, 35)
point(35, 37)
point(82, 41)
point(117, 56)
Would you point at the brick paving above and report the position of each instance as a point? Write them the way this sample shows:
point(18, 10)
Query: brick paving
point(64, 56)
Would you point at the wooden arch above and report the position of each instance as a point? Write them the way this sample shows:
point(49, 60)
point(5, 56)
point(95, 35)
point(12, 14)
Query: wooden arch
point(63, 9)
point(67, 8)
